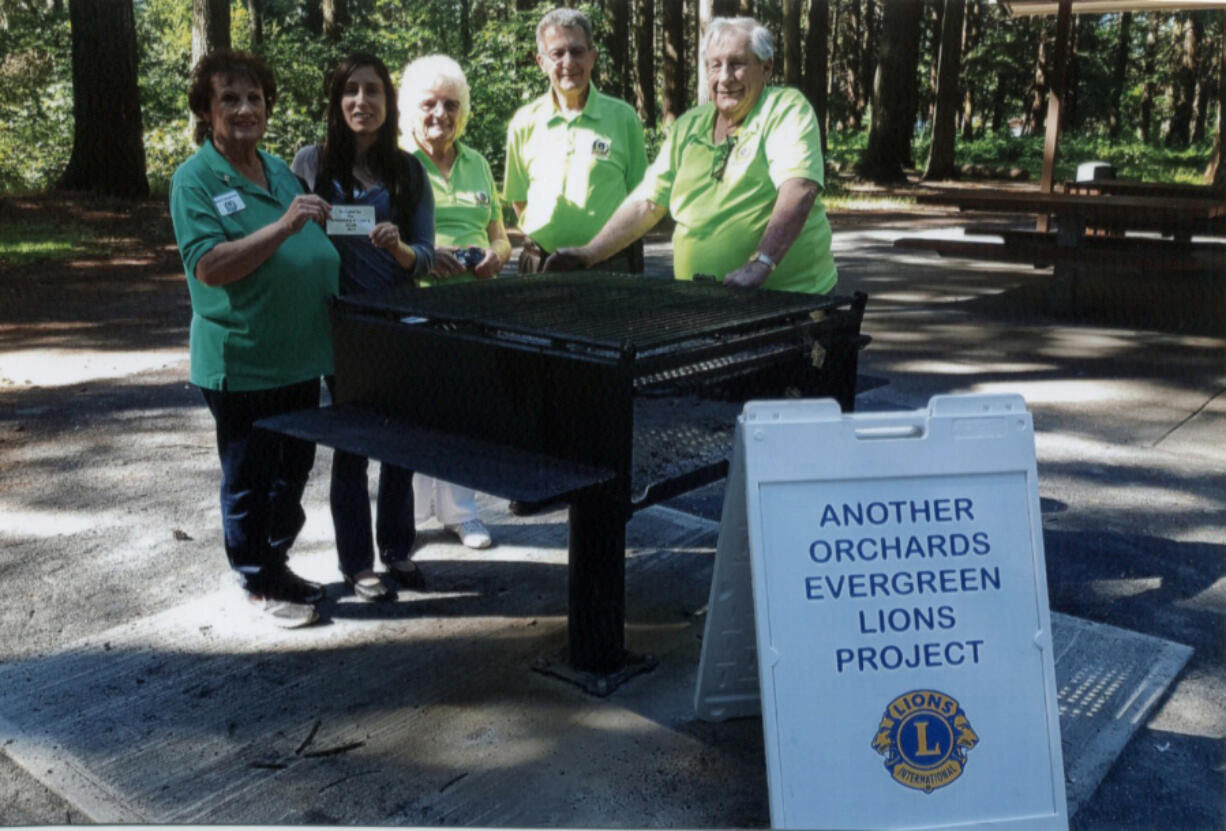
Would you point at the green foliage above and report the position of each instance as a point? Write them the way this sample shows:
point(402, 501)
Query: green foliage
point(845, 147)
point(35, 99)
point(36, 91)
point(1132, 159)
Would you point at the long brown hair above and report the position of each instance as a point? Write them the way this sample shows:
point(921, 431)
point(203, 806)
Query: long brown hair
point(401, 174)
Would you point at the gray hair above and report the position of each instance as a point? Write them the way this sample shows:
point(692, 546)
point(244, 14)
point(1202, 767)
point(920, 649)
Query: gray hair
point(429, 73)
point(562, 18)
point(761, 42)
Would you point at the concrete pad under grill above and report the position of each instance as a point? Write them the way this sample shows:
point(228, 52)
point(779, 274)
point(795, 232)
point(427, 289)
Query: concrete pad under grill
point(426, 711)
point(109, 528)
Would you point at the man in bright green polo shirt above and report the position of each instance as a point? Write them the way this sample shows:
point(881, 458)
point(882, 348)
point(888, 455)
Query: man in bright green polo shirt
point(740, 175)
point(574, 153)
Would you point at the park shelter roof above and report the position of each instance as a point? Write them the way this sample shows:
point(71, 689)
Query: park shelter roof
point(1064, 10)
point(1021, 8)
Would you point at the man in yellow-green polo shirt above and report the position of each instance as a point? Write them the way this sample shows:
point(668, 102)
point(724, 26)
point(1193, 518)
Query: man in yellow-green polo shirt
point(740, 175)
point(574, 153)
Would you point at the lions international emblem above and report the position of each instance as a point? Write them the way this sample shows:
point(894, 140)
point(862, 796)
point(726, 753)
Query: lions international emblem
point(924, 737)
point(601, 148)
point(482, 197)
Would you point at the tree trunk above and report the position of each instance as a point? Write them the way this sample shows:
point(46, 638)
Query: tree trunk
point(707, 9)
point(868, 58)
point(255, 14)
point(336, 18)
point(792, 61)
point(724, 8)
point(1200, 104)
point(466, 27)
point(1072, 85)
point(944, 121)
point(936, 20)
point(1217, 170)
point(1149, 90)
point(883, 158)
point(1183, 87)
point(910, 92)
point(618, 48)
point(970, 39)
point(816, 75)
point(108, 155)
point(645, 60)
point(1040, 90)
point(673, 13)
point(1119, 76)
point(210, 27)
point(313, 16)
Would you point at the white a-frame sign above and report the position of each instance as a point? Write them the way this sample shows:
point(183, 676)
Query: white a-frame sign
point(891, 565)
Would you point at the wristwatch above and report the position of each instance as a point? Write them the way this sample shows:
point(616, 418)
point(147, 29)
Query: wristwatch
point(759, 257)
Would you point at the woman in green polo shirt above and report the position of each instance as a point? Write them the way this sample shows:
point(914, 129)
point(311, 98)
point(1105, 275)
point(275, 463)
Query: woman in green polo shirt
point(260, 271)
point(434, 108)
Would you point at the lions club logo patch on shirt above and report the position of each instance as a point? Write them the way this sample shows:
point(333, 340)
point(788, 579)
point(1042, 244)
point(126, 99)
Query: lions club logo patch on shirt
point(601, 148)
point(924, 737)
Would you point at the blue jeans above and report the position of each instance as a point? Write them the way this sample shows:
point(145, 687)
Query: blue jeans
point(350, 500)
point(394, 530)
point(263, 474)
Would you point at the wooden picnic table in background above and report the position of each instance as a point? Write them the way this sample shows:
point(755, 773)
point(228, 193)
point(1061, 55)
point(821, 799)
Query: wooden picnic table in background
point(1135, 187)
point(1095, 234)
point(1175, 216)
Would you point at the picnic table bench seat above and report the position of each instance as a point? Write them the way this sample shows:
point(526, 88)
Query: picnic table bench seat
point(1041, 249)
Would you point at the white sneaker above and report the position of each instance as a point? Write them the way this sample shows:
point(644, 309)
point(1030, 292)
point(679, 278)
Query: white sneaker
point(283, 613)
point(472, 533)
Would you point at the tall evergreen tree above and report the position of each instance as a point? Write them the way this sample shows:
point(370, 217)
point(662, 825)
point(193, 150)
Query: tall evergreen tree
point(617, 46)
point(336, 18)
point(675, 64)
point(792, 61)
point(883, 158)
point(945, 118)
point(817, 56)
point(645, 60)
point(210, 27)
point(108, 155)
point(1119, 74)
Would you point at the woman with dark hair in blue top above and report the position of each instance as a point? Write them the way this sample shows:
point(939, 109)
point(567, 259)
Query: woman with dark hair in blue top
point(360, 164)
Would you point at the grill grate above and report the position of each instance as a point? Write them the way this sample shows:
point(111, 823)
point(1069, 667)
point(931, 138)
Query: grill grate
point(598, 309)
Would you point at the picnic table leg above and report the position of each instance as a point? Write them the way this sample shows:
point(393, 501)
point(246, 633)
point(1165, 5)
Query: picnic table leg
point(1062, 296)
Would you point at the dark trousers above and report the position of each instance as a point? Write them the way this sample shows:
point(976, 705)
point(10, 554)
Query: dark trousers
point(263, 474)
point(349, 497)
point(628, 261)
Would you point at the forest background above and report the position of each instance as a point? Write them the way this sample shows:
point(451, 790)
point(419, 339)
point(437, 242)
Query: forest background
point(93, 92)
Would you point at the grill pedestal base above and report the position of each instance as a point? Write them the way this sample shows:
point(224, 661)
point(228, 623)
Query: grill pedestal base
point(599, 684)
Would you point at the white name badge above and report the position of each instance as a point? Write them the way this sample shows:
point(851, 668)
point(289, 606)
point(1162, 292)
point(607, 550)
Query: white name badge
point(228, 203)
point(352, 219)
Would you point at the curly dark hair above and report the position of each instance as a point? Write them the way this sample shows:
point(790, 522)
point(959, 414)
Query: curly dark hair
point(226, 64)
point(401, 174)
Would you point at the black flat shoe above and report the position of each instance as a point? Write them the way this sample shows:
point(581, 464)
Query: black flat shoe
point(370, 588)
point(406, 574)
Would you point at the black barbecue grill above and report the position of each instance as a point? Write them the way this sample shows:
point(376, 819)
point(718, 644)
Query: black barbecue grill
point(604, 391)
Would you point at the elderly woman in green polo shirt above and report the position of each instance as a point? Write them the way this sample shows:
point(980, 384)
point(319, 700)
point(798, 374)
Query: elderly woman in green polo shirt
point(259, 271)
point(740, 175)
point(470, 241)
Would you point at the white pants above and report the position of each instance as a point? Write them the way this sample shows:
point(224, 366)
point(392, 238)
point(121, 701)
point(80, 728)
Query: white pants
point(452, 504)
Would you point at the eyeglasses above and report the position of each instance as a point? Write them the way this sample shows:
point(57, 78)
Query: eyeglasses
point(722, 155)
point(577, 53)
